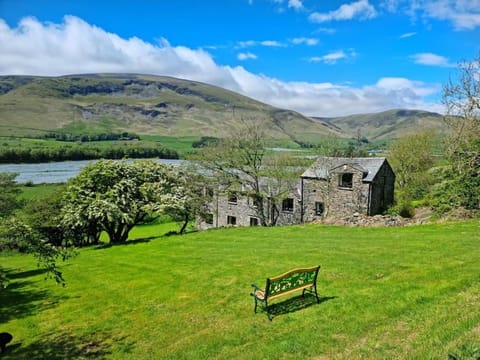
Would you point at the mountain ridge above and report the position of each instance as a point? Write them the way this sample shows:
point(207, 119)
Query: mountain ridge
point(167, 106)
point(389, 124)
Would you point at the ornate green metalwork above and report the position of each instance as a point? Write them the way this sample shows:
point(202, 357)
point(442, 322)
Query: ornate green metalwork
point(286, 283)
point(294, 281)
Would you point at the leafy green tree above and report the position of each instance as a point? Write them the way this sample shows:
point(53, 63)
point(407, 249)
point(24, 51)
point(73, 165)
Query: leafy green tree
point(15, 234)
point(240, 162)
point(9, 201)
point(189, 197)
point(116, 196)
point(43, 216)
point(237, 160)
point(461, 96)
point(411, 157)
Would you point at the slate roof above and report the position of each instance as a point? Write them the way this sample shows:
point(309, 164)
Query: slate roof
point(324, 165)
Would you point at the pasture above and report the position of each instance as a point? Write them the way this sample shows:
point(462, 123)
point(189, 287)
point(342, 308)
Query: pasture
point(387, 293)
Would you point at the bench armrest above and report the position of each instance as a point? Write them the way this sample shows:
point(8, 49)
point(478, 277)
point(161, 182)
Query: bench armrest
point(255, 287)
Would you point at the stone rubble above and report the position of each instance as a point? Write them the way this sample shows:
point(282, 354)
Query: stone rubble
point(363, 220)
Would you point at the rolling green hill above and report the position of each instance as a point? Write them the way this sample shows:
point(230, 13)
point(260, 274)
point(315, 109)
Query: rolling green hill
point(390, 124)
point(146, 105)
point(166, 106)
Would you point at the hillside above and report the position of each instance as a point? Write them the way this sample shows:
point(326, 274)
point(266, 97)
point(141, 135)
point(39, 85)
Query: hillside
point(146, 105)
point(390, 124)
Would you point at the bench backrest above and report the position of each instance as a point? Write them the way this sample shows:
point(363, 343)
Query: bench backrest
point(290, 281)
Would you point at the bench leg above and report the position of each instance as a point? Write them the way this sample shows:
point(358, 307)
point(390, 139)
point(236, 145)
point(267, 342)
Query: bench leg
point(255, 308)
point(312, 290)
point(316, 293)
point(266, 310)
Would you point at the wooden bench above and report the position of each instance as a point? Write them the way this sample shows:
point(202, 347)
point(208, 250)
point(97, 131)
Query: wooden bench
point(297, 279)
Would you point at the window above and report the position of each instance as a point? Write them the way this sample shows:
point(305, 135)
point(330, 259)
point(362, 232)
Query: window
point(231, 220)
point(253, 201)
point(232, 198)
point(319, 208)
point(287, 204)
point(253, 221)
point(209, 219)
point(345, 180)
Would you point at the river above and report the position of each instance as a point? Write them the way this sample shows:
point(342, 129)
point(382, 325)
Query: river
point(53, 172)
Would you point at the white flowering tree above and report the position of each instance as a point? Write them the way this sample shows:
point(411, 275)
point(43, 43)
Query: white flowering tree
point(115, 196)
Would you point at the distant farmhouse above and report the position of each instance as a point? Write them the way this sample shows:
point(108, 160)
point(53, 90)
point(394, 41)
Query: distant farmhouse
point(332, 186)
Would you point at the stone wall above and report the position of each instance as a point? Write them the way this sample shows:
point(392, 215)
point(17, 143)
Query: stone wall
point(334, 197)
point(337, 200)
point(382, 190)
point(243, 210)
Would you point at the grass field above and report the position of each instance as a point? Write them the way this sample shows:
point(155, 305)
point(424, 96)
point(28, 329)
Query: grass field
point(39, 191)
point(387, 293)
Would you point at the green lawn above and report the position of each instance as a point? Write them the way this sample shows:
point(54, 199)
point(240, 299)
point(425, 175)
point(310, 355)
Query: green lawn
point(388, 293)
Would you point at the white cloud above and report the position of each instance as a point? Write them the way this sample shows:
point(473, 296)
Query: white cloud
point(306, 41)
point(390, 5)
point(295, 4)
point(463, 14)
point(272, 43)
point(333, 57)
point(431, 60)
point(360, 9)
point(407, 35)
point(246, 56)
point(266, 43)
point(74, 47)
point(324, 30)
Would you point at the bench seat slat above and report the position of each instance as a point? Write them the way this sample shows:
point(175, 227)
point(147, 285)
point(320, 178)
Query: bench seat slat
point(289, 292)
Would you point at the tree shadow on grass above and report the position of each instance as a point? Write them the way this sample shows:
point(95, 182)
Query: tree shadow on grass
point(56, 346)
point(296, 303)
point(128, 242)
point(21, 298)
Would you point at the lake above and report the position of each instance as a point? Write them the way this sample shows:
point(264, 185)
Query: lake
point(54, 172)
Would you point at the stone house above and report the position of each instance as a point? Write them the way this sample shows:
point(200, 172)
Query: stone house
point(335, 186)
point(329, 187)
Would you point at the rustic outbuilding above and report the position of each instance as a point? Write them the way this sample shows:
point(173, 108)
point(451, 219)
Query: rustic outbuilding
point(332, 186)
point(337, 186)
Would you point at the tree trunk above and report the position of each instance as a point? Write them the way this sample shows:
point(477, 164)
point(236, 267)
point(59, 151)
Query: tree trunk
point(185, 223)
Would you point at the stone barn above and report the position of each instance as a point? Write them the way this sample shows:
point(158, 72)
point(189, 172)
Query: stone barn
point(332, 186)
point(335, 186)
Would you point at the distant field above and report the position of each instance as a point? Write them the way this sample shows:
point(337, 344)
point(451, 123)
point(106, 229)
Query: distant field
point(181, 144)
point(53, 150)
point(42, 143)
point(38, 192)
point(388, 293)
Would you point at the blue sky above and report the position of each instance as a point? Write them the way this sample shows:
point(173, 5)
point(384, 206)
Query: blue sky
point(321, 58)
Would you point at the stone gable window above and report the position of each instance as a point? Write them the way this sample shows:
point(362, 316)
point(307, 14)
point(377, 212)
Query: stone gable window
point(253, 221)
point(232, 198)
point(231, 220)
point(319, 208)
point(287, 204)
point(345, 180)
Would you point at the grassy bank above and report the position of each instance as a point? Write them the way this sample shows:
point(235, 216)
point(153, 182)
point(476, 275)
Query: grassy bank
point(388, 293)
